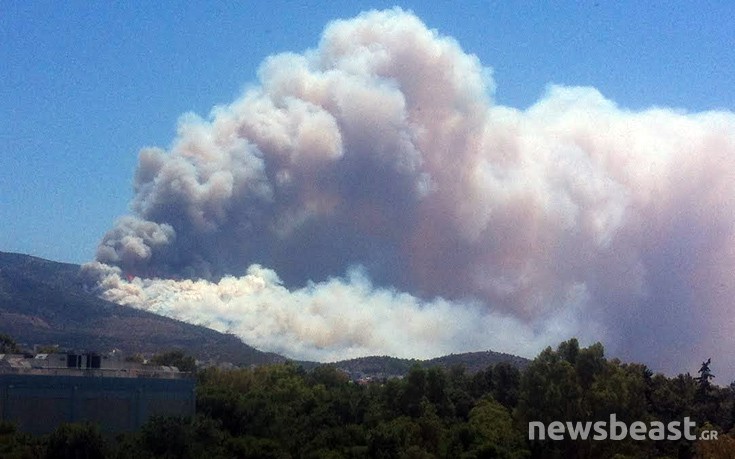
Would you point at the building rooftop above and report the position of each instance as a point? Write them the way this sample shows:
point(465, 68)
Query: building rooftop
point(89, 364)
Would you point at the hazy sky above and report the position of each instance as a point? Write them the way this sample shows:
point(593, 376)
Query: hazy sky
point(85, 85)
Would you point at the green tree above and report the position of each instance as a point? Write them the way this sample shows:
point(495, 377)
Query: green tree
point(703, 380)
point(8, 345)
point(329, 376)
point(255, 447)
point(49, 349)
point(494, 433)
point(135, 358)
point(460, 391)
point(481, 383)
point(556, 387)
point(164, 437)
point(549, 388)
point(77, 441)
point(392, 438)
point(176, 359)
point(414, 391)
point(506, 381)
point(16, 445)
point(437, 391)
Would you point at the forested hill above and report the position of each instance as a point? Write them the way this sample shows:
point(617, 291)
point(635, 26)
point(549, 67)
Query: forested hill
point(384, 366)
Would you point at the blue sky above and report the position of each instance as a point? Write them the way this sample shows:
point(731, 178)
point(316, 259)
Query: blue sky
point(85, 85)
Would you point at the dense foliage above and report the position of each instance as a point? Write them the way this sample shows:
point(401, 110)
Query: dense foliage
point(283, 411)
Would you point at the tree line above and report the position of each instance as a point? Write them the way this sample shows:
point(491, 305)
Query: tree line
point(283, 411)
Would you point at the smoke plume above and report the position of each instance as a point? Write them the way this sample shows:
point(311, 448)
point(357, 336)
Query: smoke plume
point(367, 196)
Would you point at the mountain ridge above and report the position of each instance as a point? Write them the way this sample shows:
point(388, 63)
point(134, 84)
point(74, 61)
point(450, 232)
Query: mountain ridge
point(45, 302)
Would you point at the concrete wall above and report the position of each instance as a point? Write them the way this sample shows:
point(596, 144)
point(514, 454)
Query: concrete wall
point(39, 403)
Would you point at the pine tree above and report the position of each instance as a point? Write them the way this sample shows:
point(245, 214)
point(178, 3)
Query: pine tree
point(705, 375)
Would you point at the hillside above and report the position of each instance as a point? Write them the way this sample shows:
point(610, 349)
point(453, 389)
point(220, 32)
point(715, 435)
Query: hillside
point(383, 366)
point(44, 302)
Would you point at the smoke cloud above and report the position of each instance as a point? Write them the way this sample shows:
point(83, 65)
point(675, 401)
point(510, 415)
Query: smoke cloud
point(367, 196)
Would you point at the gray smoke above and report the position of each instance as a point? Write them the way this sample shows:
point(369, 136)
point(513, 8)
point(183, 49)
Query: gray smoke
point(367, 196)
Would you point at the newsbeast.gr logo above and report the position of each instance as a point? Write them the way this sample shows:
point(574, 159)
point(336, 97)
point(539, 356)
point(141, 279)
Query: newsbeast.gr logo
point(617, 430)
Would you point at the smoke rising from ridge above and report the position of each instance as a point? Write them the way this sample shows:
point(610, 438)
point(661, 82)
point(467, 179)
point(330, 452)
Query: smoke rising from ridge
point(374, 200)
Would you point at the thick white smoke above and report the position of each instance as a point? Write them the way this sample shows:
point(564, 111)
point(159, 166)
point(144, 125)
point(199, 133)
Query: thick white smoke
point(507, 229)
point(333, 320)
